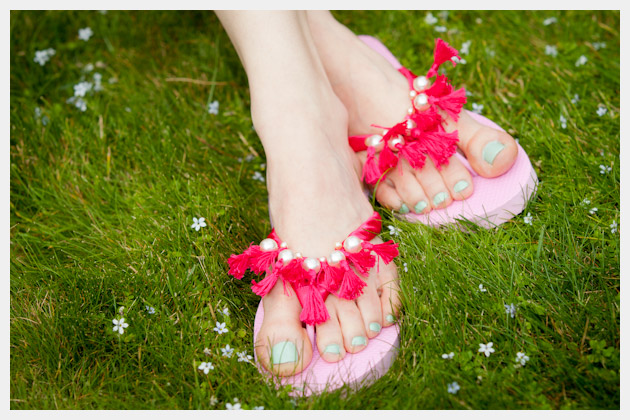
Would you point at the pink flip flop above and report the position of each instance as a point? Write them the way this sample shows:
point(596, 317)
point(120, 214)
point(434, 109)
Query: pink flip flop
point(494, 200)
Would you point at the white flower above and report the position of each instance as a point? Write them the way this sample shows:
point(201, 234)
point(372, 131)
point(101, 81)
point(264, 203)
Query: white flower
point(226, 312)
point(593, 210)
point(405, 268)
point(549, 21)
point(510, 309)
point(481, 288)
point(477, 108)
point(121, 310)
point(465, 47)
point(452, 388)
point(576, 99)
point(581, 61)
point(486, 349)
point(88, 67)
point(613, 227)
point(80, 89)
point(213, 400)
point(258, 177)
point(551, 50)
point(393, 230)
point(440, 28)
point(243, 356)
point(585, 201)
point(227, 351)
point(150, 309)
point(236, 406)
point(119, 325)
point(198, 223)
point(429, 19)
point(259, 407)
point(604, 169)
point(478, 21)
point(85, 34)
point(528, 219)
point(443, 14)
point(220, 328)
point(42, 57)
point(601, 111)
point(98, 86)
point(563, 121)
point(206, 367)
point(599, 45)
point(521, 358)
point(448, 355)
point(213, 107)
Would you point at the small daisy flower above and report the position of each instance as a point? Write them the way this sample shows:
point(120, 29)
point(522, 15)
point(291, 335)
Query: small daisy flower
point(551, 50)
point(486, 349)
point(585, 201)
point(465, 48)
point(599, 45)
point(510, 309)
point(601, 111)
point(521, 358)
point(85, 34)
point(198, 223)
point(43, 56)
point(563, 121)
point(440, 29)
point(603, 169)
point(393, 230)
point(207, 351)
point(243, 356)
point(119, 325)
point(429, 19)
point(259, 407)
point(80, 89)
point(477, 108)
point(448, 355)
point(405, 268)
point(613, 227)
point(226, 312)
point(220, 328)
point(593, 210)
point(98, 82)
point(258, 177)
point(236, 406)
point(576, 99)
point(227, 351)
point(150, 309)
point(549, 21)
point(581, 61)
point(88, 67)
point(452, 388)
point(482, 289)
point(213, 400)
point(213, 108)
point(528, 219)
point(206, 367)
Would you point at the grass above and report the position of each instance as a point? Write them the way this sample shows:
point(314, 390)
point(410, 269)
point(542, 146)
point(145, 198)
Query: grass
point(102, 202)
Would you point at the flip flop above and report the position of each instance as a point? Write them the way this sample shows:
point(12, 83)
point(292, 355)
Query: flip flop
point(494, 200)
point(312, 280)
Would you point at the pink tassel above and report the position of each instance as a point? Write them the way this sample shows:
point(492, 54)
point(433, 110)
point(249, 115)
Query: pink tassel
point(440, 87)
point(425, 121)
point(351, 285)
point(292, 273)
point(452, 104)
point(260, 260)
point(238, 265)
point(363, 260)
point(265, 285)
point(442, 53)
point(387, 251)
point(413, 153)
point(440, 146)
point(387, 159)
point(371, 174)
point(330, 277)
point(313, 308)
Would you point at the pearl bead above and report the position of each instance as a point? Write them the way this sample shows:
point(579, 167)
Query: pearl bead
point(412, 93)
point(410, 110)
point(286, 255)
point(322, 259)
point(420, 83)
point(396, 142)
point(338, 245)
point(352, 244)
point(411, 124)
point(311, 264)
point(298, 255)
point(375, 141)
point(336, 257)
point(283, 245)
point(268, 245)
point(421, 100)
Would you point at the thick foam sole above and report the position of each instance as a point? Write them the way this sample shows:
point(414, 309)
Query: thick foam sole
point(494, 200)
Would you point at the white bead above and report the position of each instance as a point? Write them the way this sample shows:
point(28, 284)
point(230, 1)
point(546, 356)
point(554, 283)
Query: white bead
point(286, 255)
point(412, 93)
point(396, 142)
point(311, 264)
point(421, 100)
point(336, 257)
point(283, 245)
point(352, 244)
point(420, 83)
point(410, 110)
point(322, 259)
point(338, 245)
point(411, 124)
point(298, 255)
point(268, 244)
point(375, 141)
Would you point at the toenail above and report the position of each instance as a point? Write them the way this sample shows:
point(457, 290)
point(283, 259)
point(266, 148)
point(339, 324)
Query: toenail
point(390, 318)
point(359, 341)
point(284, 352)
point(332, 349)
point(420, 206)
point(491, 151)
point(439, 198)
point(375, 326)
point(403, 209)
point(460, 186)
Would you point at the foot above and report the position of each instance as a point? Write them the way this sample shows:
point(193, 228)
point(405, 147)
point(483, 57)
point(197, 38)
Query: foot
point(374, 92)
point(315, 200)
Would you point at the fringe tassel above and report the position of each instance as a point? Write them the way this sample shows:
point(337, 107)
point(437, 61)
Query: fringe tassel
point(260, 260)
point(265, 285)
point(371, 173)
point(452, 103)
point(387, 159)
point(313, 308)
point(442, 53)
point(363, 260)
point(440, 146)
point(239, 263)
point(330, 277)
point(412, 151)
point(351, 285)
point(387, 251)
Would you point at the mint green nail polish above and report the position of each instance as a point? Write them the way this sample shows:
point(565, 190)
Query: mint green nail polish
point(375, 326)
point(332, 349)
point(403, 209)
point(390, 318)
point(359, 341)
point(439, 198)
point(460, 186)
point(420, 206)
point(491, 151)
point(284, 352)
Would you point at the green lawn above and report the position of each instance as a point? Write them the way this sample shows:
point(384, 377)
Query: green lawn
point(102, 201)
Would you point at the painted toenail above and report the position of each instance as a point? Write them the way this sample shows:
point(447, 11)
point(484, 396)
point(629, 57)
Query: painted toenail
point(332, 349)
point(491, 151)
point(359, 341)
point(420, 206)
point(284, 352)
point(439, 198)
point(375, 326)
point(390, 318)
point(460, 186)
point(403, 209)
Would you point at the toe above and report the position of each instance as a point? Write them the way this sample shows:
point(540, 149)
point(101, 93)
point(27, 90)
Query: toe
point(389, 291)
point(329, 338)
point(457, 179)
point(352, 326)
point(433, 185)
point(387, 195)
point(409, 188)
point(370, 307)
